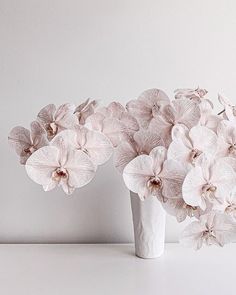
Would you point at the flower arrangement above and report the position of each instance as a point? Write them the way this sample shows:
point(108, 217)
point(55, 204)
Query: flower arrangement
point(184, 155)
point(177, 151)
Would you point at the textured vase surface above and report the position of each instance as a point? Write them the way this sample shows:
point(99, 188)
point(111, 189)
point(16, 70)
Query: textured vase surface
point(149, 220)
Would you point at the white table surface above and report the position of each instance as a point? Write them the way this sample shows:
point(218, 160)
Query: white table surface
point(113, 269)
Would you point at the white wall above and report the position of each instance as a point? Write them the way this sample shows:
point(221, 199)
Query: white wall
point(65, 50)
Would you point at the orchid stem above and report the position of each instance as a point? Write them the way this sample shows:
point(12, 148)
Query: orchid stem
point(220, 113)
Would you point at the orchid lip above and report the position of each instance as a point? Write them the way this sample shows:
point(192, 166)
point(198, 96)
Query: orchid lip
point(59, 174)
point(194, 154)
point(208, 189)
point(154, 183)
point(52, 129)
point(230, 208)
point(232, 149)
point(30, 150)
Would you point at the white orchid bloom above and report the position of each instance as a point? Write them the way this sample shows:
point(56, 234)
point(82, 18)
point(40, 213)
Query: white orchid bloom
point(153, 175)
point(208, 181)
point(55, 119)
point(57, 164)
point(190, 145)
point(147, 106)
point(179, 112)
point(213, 228)
point(26, 142)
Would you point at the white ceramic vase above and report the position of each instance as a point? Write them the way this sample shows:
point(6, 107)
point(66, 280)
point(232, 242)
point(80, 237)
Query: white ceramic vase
point(149, 220)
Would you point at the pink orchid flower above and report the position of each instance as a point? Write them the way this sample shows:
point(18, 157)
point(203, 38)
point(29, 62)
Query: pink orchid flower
point(190, 145)
point(118, 112)
point(180, 209)
point(141, 143)
point(209, 181)
point(153, 175)
point(213, 228)
point(26, 142)
point(194, 94)
point(181, 111)
point(95, 144)
point(114, 122)
point(58, 165)
point(84, 110)
point(227, 139)
point(55, 120)
point(147, 106)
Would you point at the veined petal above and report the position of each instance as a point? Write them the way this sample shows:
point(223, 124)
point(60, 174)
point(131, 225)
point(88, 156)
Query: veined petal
point(137, 173)
point(147, 140)
point(192, 235)
point(80, 168)
point(141, 111)
point(225, 229)
point(97, 146)
point(192, 188)
point(65, 117)
point(42, 163)
point(124, 153)
point(158, 155)
point(179, 151)
point(19, 139)
point(116, 109)
point(46, 115)
point(173, 175)
point(187, 112)
point(113, 128)
point(204, 139)
point(154, 96)
point(38, 135)
point(95, 121)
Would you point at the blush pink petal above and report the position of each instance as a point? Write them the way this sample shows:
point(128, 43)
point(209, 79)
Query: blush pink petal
point(158, 155)
point(162, 128)
point(194, 94)
point(147, 106)
point(113, 129)
point(25, 142)
point(65, 117)
point(173, 175)
point(224, 177)
point(80, 168)
point(179, 151)
point(146, 141)
point(227, 139)
point(116, 109)
point(41, 165)
point(84, 110)
point(46, 115)
point(191, 236)
point(95, 144)
point(142, 142)
point(192, 188)
point(38, 135)
point(19, 139)
point(204, 139)
point(187, 112)
point(179, 209)
point(182, 111)
point(137, 173)
point(124, 153)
